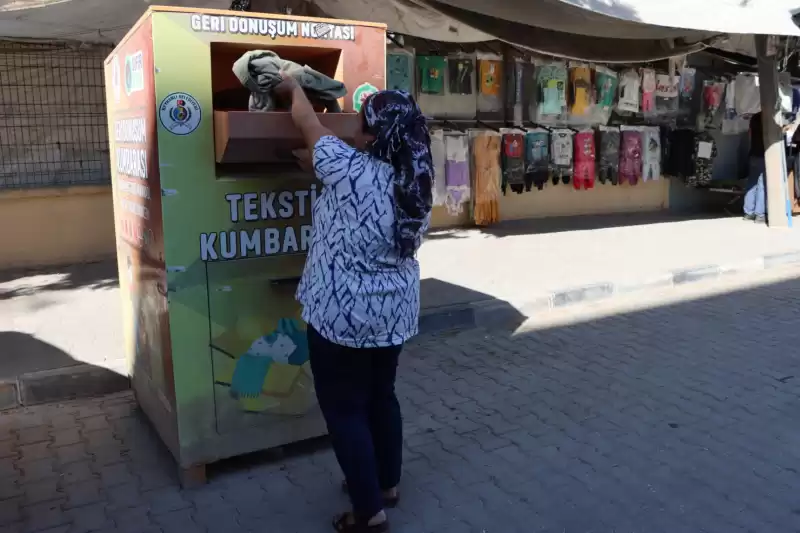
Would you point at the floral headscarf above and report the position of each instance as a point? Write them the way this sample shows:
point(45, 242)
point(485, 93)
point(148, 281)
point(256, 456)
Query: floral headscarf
point(402, 139)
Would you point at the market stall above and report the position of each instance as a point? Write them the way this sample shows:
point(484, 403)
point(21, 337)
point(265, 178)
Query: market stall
point(213, 218)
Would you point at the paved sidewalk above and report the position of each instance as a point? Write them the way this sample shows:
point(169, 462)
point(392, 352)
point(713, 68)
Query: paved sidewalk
point(678, 418)
point(529, 262)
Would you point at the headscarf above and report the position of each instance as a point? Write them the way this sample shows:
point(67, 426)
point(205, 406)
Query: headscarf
point(402, 139)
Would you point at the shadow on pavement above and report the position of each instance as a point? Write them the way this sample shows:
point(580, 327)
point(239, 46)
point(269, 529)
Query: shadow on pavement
point(23, 353)
point(25, 282)
point(45, 373)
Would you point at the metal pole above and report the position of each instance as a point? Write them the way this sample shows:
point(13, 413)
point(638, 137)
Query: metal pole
point(775, 152)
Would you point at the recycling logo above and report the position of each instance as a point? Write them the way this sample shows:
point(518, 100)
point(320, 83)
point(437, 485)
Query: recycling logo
point(361, 93)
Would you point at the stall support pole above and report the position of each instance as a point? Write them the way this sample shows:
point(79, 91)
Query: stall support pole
point(775, 156)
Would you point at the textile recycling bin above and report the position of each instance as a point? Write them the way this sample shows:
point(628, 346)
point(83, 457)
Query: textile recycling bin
point(213, 221)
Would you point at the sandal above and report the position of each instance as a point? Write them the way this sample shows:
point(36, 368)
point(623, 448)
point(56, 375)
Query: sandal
point(389, 503)
point(342, 523)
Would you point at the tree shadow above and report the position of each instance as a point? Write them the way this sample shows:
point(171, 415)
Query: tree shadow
point(26, 282)
point(539, 226)
point(45, 373)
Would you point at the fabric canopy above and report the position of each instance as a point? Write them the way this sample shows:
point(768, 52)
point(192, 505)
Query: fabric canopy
point(597, 30)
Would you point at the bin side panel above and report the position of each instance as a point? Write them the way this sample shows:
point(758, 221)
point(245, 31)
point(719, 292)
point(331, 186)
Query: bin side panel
point(130, 93)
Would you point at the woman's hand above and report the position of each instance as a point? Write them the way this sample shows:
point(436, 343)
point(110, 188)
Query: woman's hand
point(304, 159)
point(285, 89)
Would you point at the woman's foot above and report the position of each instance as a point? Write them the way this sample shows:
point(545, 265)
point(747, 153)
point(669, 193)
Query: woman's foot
point(391, 497)
point(347, 523)
point(749, 217)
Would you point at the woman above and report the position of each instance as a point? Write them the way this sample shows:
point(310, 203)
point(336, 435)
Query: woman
point(360, 286)
point(755, 198)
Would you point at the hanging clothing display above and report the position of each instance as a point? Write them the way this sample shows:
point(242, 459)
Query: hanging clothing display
point(648, 90)
point(456, 173)
point(680, 160)
point(513, 162)
point(580, 76)
point(609, 155)
point(399, 71)
point(629, 91)
point(459, 73)
point(713, 91)
point(687, 84)
point(667, 93)
point(515, 92)
point(430, 70)
point(606, 81)
point(651, 155)
point(438, 157)
point(485, 161)
point(585, 159)
point(630, 158)
point(705, 151)
point(747, 96)
point(732, 122)
point(491, 73)
point(551, 79)
point(537, 158)
point(561, 153)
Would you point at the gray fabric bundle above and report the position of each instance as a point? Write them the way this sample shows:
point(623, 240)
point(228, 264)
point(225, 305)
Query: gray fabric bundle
point(259, 71)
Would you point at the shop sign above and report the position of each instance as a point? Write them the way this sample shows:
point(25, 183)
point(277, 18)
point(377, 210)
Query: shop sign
point(134, 73)
point(180, 113)
point(274, 28)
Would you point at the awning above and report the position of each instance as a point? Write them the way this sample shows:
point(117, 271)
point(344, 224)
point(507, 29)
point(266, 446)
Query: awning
point(600, 30)
point(89, 21)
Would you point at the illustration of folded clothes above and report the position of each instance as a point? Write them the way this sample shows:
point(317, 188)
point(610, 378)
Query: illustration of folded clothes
point(249, 375)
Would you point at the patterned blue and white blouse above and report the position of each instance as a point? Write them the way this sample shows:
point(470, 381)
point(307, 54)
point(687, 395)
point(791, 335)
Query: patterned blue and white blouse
point(355, 290)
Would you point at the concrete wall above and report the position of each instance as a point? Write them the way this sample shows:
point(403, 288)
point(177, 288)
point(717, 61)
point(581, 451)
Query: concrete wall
point(53, 226)
point(55, 194)
point(563, 200)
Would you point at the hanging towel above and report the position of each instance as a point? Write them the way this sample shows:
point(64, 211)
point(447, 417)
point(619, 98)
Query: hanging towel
point(581, 82)
point(651, 160)
point(399, 71)
point(585, 156)
point(456, 172)
point(648, 90)
point(249, 375)
point(630, 158)
point(486, 162)
point(431, 74)
point(629, 91)
point(705, 151)
point(513, 162)
point(561, 153)
point(609, 155)
point(438, 157)
point(537, 158)
point(606, 82)
point(551, 79)
point(259, 71)
point(459, 73)
point(747, 95)
point(667, 93)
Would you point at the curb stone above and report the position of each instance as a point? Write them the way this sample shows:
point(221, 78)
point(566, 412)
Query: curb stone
point(493, 314)
point(60, 384)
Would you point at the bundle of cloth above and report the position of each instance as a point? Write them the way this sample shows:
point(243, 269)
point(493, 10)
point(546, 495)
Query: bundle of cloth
point(260, 72)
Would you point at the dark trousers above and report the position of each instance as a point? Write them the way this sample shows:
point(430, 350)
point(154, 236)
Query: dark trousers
point(355, 389)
